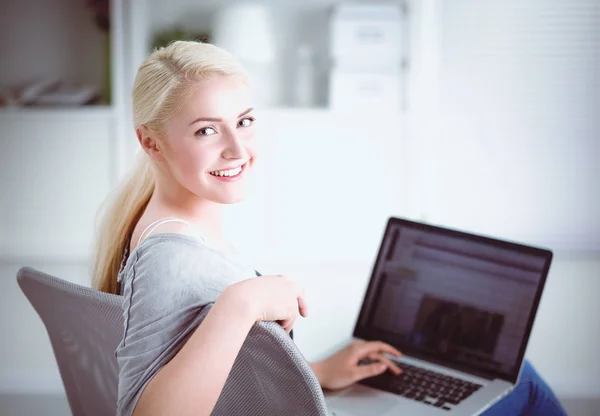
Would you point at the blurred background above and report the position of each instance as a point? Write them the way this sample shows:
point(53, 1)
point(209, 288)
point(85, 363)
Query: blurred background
point(480, 116)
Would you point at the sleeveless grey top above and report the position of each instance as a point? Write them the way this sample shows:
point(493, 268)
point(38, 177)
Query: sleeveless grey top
point(166, 281)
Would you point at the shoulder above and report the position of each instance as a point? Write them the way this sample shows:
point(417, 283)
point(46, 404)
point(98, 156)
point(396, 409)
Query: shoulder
point(167, 272)
point(168, 252)
point(178, 263)
point(172, 227)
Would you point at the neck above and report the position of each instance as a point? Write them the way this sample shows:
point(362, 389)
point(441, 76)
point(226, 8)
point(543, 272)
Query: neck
point(178, 202)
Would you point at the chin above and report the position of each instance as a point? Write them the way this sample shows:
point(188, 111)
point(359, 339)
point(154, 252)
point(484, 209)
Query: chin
point(229, 199)
point(233, 201)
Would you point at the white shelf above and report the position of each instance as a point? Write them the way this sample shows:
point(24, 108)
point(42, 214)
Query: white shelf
point(103, 112)
point(38, 255)
point(60, 41)
point(315, 115)
point(33, 260)
point(293, 24)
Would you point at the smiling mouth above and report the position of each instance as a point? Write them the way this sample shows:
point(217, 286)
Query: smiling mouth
point(228, 173)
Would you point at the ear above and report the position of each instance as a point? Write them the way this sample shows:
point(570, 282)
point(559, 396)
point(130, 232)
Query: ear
point(148, 141)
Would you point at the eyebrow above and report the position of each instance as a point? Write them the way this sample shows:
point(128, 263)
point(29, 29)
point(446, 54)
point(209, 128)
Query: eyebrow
point(214, 119)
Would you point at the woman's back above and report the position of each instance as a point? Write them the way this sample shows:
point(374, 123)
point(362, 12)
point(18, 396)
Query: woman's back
point(166, 282)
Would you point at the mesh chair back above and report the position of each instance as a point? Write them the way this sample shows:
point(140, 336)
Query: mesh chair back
point(84, 326)
point(269, 377)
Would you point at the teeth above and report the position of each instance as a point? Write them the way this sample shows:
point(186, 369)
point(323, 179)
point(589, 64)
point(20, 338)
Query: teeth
point(231, 172)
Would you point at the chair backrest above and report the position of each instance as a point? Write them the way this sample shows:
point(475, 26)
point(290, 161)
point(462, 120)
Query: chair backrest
point(85, 327)
point(269, 377)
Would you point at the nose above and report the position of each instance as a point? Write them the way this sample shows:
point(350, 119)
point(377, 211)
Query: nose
point(234, 148)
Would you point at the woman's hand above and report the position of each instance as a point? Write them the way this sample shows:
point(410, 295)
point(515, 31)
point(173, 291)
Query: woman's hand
point(343, 369)
point(270, 298)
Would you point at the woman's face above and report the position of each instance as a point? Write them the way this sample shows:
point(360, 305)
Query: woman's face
point(210, 142)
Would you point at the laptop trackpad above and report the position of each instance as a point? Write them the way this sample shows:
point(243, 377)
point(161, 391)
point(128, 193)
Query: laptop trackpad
point(361, 400)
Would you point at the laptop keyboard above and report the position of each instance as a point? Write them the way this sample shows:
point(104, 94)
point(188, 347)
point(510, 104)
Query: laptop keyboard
point(425, 386)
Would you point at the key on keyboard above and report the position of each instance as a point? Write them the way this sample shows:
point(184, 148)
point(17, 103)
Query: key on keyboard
point(424, 386)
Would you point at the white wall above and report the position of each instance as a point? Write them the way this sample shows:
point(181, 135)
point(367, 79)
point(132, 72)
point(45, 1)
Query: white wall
point(55, 169)
point(566, 335)
point(515, 147)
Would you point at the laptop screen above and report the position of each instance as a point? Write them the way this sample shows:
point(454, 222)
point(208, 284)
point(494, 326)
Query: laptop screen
point(453, 298)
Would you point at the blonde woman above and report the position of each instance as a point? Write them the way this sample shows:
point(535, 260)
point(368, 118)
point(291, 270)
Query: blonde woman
point(161, 245)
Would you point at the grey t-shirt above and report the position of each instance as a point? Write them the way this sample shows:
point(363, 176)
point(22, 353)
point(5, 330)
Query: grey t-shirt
point(166, 281)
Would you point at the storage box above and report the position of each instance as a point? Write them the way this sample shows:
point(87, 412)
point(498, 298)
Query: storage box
point(365, 91)
point(366, 36)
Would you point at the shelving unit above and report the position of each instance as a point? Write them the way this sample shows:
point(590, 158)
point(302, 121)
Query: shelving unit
point(106, 130)
point(292, 24)
point(57, 162)
point(53, 40)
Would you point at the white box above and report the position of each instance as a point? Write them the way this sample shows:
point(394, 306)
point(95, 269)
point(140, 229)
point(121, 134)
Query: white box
point(367, 36)
point(365, 91)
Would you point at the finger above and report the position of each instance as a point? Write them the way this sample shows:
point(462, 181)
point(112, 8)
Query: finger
point(369, 370)
point(285, 323)
point(302, 305)
point(292, 323)
point(289, 324)
point(286, 327)
point(389, 363)
point(301, 294)
point(383, 347)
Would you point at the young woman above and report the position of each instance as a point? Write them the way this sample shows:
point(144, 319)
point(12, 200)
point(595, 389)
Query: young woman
point(161, 245)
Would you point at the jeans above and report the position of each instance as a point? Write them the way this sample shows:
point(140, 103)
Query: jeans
point(531, 396)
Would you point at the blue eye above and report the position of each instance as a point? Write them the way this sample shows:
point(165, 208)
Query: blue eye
point(206, 131)
point(246, 122)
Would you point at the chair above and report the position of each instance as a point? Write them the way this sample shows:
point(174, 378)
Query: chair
point(269, 377)
point(84, 326)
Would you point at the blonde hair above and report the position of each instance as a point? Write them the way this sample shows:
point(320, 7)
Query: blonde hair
point(162, 84)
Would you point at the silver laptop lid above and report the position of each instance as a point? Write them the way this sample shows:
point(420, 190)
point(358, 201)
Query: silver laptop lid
point(453, 298)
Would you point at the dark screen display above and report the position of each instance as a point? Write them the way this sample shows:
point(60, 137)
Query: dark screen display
point(463, 300)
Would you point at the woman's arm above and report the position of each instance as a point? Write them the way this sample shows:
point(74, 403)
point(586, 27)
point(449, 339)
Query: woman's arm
point(174, 359)
point(317, 368)
point(192, 381)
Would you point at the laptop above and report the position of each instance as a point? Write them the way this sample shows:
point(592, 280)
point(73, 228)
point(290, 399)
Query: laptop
point(460, 308)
